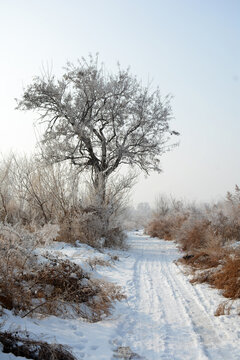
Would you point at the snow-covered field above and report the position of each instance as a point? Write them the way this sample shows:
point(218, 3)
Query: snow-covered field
point(163, 317)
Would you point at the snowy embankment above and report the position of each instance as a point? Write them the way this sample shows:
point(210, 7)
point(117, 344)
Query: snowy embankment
point(163, 317)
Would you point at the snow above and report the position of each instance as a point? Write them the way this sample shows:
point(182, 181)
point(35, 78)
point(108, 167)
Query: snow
point(79, 254)
point(163, 317)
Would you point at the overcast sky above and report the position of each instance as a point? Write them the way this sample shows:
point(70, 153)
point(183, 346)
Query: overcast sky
point(190, 48)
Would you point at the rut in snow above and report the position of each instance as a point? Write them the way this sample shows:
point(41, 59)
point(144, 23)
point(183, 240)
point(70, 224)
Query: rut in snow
point(165, 318)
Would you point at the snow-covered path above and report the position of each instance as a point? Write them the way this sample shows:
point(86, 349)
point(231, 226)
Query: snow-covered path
point(167, 317)
point(163, 317)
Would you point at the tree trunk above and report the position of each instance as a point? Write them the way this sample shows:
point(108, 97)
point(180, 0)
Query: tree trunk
point(99, 185)
point(101, 203)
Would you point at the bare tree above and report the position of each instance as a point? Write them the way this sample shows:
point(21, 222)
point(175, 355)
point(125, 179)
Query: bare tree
point(47, 192)
point(99, 121)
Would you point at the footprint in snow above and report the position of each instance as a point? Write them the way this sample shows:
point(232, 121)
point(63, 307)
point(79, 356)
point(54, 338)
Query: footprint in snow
point(73, 327)
point(79, 333)
point(81, 346)
point(84, 340)
point(94, 347)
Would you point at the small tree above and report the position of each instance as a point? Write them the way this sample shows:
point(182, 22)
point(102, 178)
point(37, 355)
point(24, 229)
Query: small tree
point(98, 121)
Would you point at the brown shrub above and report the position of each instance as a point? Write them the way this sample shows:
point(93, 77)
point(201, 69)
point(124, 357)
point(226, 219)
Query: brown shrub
point(89, 227)
point(193, 234)
point(82, 225)
point(60, 288)
point(227, 278)
point(54, 287)
point(219, 267)
point(161, 228)
point(207, 257)
point(225, 222)
point(17, 258)
point(116, 238)
point(202, 260)
point(165, 227)
point(35, 350)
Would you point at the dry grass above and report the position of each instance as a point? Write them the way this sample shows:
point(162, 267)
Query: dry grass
point(227, 279)
point(59, 288)
point(96, 261)
point(224, 308)
point(193, 234)
point(82, 225)
point(35, 350)
point(161, 228)
point(205, 258)
point(221, 269)
point(166, 226)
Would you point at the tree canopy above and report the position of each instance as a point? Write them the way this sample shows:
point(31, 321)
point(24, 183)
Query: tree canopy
point(99, 120)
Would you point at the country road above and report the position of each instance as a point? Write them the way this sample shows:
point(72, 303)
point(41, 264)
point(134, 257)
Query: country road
point(167, 317)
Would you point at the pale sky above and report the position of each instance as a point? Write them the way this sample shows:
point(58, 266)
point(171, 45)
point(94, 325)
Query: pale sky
point(190, 48)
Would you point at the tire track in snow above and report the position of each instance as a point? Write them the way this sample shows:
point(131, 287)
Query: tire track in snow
point(149, 305)
point(157, 331)
point(177, 331)
point(222, 340)
point(185, 339)
point(166, 319)
point(202, 326)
